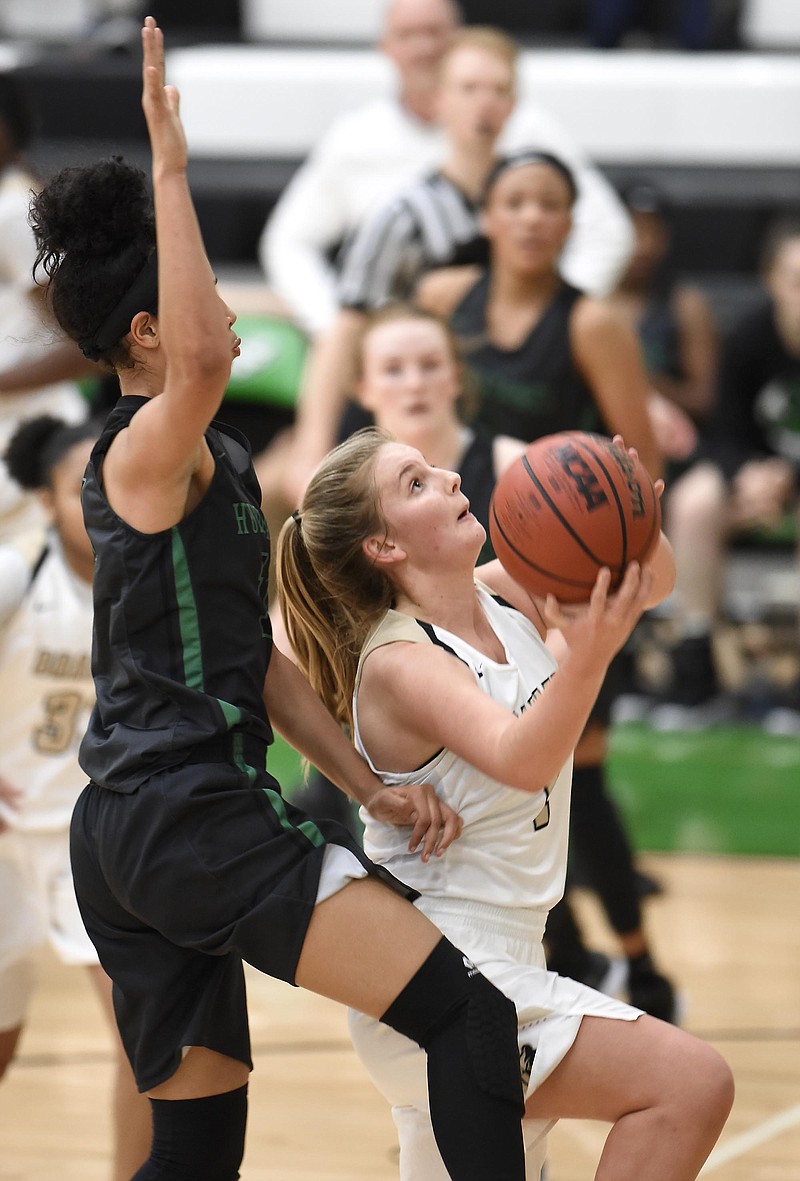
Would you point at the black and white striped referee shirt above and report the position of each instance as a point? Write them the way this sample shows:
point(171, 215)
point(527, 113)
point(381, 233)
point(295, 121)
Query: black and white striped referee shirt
point(431, 224)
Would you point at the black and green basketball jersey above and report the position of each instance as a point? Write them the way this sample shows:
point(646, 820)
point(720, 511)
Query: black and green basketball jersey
point(533, 390)
point(182, 638)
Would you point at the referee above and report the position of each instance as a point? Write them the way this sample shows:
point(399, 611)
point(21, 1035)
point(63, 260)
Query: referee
point(433, 223)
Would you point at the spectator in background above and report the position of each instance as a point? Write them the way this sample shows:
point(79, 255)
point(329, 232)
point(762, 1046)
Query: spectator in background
point(672, 317)
point(680, 345)
point(674, 322)
point(34, 359)
point(747, 478)
point(371, 153)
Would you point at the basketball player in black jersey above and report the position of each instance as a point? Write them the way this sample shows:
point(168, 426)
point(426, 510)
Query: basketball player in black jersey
point(186, 857)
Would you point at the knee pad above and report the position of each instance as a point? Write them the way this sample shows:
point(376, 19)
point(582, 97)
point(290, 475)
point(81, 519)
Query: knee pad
point(449, 999)
point(491, 1023)
point(197, 1138)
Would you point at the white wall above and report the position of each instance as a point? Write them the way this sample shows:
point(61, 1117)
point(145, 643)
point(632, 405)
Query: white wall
point(55, 20)
point(331, 20)
point(252, 101)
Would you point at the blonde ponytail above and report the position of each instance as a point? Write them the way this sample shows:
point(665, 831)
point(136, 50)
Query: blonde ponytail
point(329, 591)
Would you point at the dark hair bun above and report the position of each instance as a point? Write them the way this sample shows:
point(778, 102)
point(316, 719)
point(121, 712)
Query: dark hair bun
point(93, 212)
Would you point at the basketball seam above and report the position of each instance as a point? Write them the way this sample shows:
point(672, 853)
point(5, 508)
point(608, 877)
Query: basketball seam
point(532, 565)
point(559, 516)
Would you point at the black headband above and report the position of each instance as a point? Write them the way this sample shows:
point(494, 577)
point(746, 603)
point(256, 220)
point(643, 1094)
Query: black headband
point(140, 296)
point(519, 160)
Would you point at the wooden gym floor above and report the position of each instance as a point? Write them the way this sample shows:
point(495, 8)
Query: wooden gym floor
point(726, 928)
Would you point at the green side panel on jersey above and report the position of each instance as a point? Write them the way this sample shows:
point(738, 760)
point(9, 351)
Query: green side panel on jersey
point(308, 828)
point(731, 789)
point(239, 759)
point(271, 364)
point(187, 615)
point(231, 713)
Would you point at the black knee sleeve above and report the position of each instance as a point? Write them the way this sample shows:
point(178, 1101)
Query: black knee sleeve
point(449, 991)
point(195, 1138)
point(468, 1029)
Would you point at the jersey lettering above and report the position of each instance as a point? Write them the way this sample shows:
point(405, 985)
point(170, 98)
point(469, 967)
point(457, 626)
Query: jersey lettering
point(249, 518)
point(70, 665)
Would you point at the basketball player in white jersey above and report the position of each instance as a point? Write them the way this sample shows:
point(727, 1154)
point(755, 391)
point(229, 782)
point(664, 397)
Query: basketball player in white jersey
point(448, 680)
point(47, 692)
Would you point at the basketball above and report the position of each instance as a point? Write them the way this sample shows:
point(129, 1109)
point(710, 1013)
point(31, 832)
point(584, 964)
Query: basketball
point(569, 505)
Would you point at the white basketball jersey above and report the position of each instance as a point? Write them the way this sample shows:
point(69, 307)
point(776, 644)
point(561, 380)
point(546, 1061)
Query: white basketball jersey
point(47, 692)
point(513, 848)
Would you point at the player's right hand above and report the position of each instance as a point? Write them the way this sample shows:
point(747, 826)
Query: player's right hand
point(596, 631)
point(160, 103)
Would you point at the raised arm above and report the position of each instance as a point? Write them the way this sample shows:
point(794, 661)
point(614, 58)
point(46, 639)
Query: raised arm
point(190, 341)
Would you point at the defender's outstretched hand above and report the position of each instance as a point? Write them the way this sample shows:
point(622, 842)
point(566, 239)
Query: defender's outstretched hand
point(161, 103)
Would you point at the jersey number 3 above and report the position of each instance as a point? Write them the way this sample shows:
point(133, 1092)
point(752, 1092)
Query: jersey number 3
point(543, 818)
point(57, 732)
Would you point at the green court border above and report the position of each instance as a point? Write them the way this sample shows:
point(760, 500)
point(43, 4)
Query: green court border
point(726, 790)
